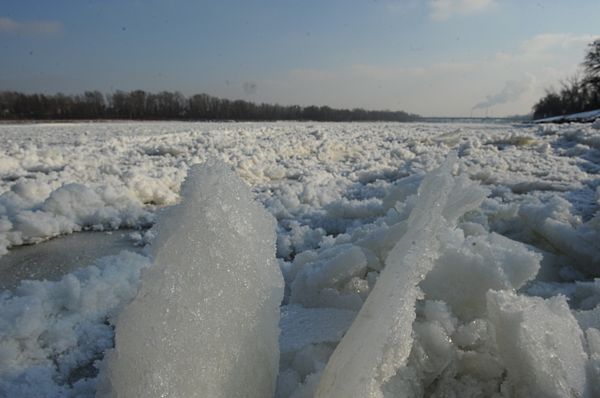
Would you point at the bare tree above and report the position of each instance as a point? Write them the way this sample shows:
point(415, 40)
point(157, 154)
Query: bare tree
point(591, 62)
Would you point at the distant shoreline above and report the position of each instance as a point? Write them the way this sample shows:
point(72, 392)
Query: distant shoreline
point(456, 119)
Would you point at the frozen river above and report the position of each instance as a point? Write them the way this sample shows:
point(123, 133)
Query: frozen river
point(486, 237)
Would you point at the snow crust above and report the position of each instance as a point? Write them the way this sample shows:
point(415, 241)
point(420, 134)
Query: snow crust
point(497, 297)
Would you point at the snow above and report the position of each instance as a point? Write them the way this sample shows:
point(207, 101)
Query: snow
point(209, 306)
point(499, 295)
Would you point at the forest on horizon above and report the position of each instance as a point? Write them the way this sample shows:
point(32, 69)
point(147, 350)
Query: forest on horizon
point(167, 105)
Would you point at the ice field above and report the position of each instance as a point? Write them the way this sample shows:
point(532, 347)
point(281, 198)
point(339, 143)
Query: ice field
point(300, 260)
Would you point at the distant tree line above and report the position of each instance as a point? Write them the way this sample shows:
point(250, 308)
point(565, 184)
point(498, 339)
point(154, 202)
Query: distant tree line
point(166, 105)
point(578, 93)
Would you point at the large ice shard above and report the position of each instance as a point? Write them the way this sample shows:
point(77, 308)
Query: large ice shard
point(205, 320)
point(379, 341)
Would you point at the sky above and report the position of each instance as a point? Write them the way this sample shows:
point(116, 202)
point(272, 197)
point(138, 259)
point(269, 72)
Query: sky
point(430, 57)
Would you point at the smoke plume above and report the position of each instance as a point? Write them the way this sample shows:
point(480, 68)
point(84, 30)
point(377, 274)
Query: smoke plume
point(512, 90)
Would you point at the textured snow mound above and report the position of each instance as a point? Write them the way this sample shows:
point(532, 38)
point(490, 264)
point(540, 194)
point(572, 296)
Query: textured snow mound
point(205, 320)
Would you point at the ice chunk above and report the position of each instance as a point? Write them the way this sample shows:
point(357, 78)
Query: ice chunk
point(380, 339)
point(465, 272)
point(205, 320)
point(564, 233)
point(540, 343)
point(309, 285)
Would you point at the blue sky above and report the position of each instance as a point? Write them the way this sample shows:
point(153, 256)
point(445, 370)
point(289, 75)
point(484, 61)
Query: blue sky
point(438, 57)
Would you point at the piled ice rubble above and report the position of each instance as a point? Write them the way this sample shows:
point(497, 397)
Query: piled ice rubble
point(31, 213)
point(345, 196)
point(444, 318)
point(51, 333)
point(571, 243)
point(205, 320)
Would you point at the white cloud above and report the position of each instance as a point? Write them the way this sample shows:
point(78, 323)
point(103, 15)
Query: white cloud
point(501, 83)
point(445, 9)
point(37, 28)
point(555, 41)
point(422, 89)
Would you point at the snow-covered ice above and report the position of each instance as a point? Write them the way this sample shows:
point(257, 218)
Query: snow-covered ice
point(406, 274)
point(51, 333)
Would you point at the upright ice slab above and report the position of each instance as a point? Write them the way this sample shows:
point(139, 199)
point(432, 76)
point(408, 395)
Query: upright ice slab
point(380, 340)
point(205, 320)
